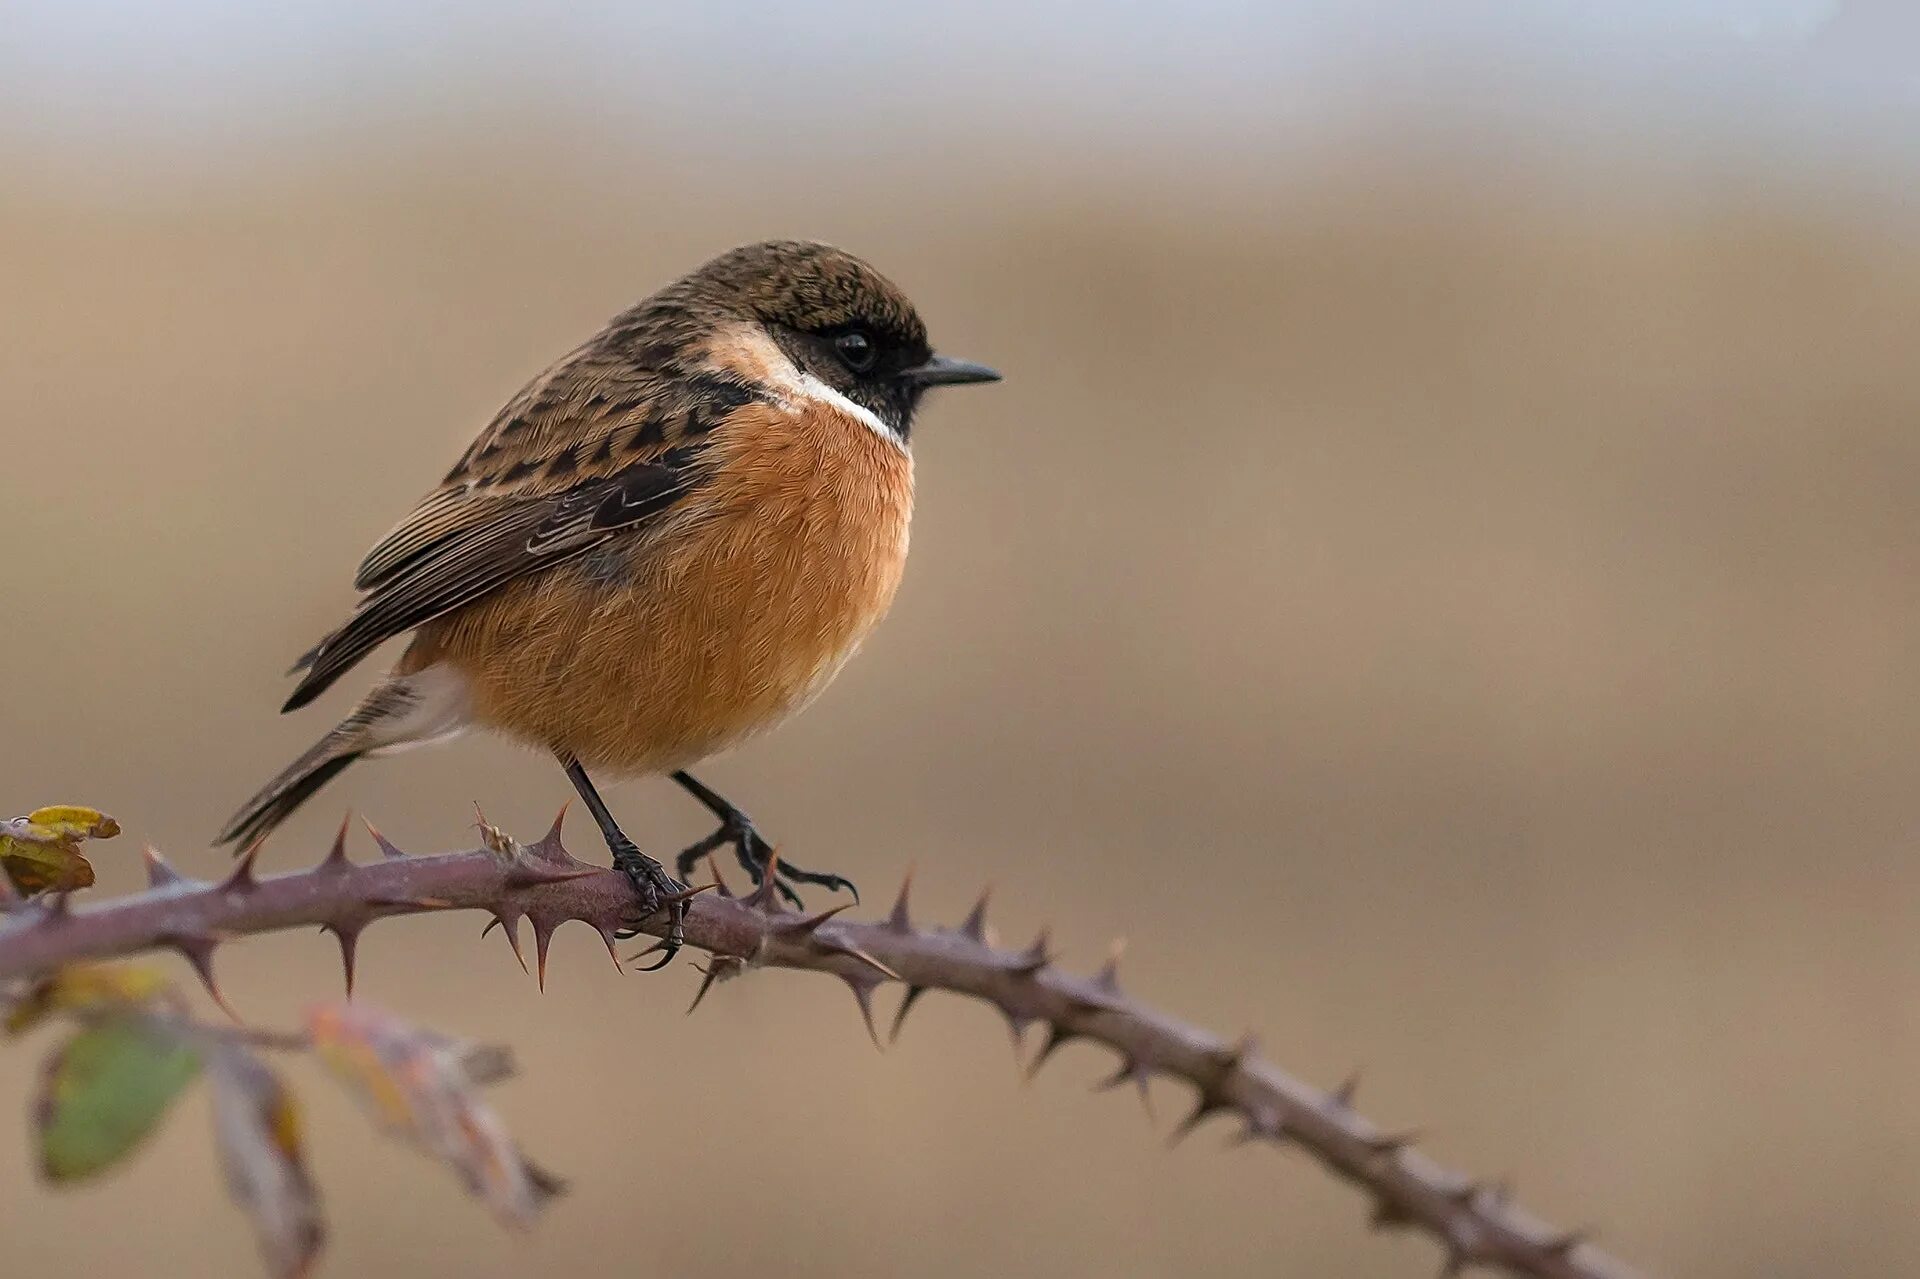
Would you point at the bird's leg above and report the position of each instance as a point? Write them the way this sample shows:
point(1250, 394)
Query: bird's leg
point(650, 878)
point(749, 846)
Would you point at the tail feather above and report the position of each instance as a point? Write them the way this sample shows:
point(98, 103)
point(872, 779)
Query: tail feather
point(292, 788)
point(414, 709)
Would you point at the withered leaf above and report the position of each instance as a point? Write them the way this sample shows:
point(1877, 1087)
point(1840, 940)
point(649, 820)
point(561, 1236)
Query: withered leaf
point(104, 1090)
point(40, 852)
point(424, 1088)
point(257, 1124)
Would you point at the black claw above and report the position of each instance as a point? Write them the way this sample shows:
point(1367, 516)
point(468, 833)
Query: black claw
point(657, 889)
point(826, 879)
point(691, 856)
point(753, 852)
point(660, 963)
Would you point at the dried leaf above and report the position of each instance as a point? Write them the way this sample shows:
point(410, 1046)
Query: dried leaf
point(424, 1088)
point(257, 1124)
point(84, 988)
point(40, 852)
point(104, 1090)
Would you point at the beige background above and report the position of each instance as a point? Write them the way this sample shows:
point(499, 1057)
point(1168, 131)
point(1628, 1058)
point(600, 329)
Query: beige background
point(1453, 617)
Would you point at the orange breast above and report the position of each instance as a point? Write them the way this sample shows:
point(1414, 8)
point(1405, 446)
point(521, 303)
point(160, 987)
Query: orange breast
point(650, 654)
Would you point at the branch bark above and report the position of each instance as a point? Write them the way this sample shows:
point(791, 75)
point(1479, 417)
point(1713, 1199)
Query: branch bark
point(543, 885)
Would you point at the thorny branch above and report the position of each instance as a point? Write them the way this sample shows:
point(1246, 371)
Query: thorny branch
point(545, 886)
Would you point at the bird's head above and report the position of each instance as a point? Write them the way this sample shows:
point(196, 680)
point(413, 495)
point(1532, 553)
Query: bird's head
point(830, 317)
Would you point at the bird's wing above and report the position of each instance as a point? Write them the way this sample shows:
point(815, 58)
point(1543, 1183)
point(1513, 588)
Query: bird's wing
point(590, 449)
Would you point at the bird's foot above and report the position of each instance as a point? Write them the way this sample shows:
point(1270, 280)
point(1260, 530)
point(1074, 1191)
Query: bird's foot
point(657, 890)
point(754, 853)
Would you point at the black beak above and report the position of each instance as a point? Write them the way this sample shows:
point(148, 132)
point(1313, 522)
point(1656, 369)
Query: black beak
point(942, 371)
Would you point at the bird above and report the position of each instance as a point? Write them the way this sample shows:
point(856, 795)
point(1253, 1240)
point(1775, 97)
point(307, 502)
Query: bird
point(670, 540)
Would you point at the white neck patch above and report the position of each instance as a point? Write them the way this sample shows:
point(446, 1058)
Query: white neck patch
point(747, 350)
point(807, 386)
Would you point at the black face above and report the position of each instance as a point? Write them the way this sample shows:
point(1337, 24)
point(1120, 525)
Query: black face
point(866, 362)
point(836, 318)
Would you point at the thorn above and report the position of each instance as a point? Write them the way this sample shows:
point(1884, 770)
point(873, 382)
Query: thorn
point(863, 989)
point(718, 969)
point(685, 895)
point(1108, 978)
point(1387, 1215)
point(899, 921)
point(336, 858)
point(1563, 1247)
point(1017, 1023)
point(528, 874)
point(720, 884)
point(542, 934)
point(854, 952)
point(1085, 1006)
point(545, 861)
point(241, 879)
point(808, 925)
point(1135, 1071)
point(1203, 1106)
point(1034, 957)
point(559, 819)
point(907, 1001)
point(1389, 1144)
point(1057, 1035)
point(608, 936)
point(974, 927)
point(411, 903)
point(767, 887)
point(1262, 1124)
point(530, 865)
point(1342, 1097)
point(510, 925)
point(160, 874)
point(765, 896)
point(197, 949)
point(349, 938)
point(387, 848)
point(1234, 1055)
point(709, 975)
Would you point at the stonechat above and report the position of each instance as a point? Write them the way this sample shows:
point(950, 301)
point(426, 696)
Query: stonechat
point(670, 540)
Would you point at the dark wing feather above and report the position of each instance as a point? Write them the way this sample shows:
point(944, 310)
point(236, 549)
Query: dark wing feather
point(505, 537)
point(427, 526)
point(605, 440)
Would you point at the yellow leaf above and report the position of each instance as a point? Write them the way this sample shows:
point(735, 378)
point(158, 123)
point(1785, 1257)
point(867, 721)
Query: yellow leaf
point(70, 821)
point(40, 852)
point(85, 988)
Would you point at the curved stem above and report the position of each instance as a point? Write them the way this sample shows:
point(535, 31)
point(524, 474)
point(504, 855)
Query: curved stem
point(541, 883)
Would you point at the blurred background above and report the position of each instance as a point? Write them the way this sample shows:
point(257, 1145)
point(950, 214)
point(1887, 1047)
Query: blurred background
point(1439, 578)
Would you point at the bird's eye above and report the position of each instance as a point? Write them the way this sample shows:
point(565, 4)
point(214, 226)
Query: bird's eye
point(856, 350)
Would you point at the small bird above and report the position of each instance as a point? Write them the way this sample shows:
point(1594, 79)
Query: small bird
point(671, 539)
